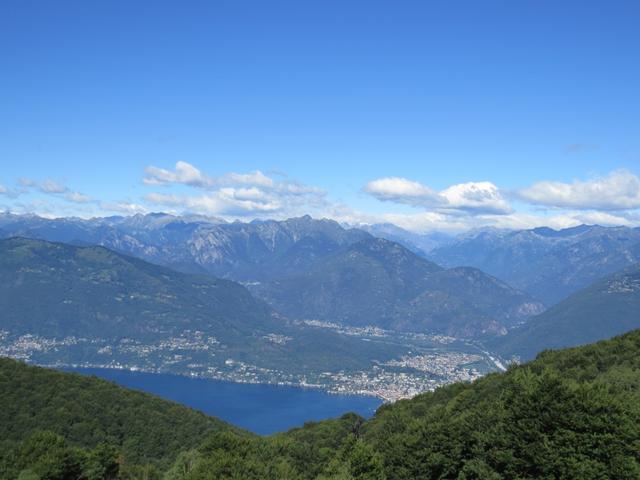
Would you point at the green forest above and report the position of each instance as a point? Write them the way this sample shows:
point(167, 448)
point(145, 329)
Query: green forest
point(569, 414)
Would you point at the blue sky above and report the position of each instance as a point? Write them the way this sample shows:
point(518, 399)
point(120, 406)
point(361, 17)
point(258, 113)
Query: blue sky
point(433, 115)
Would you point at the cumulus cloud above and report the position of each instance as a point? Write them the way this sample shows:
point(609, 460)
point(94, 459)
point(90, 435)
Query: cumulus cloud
point(619, 190)
point(479, 197)
point(253, 178)
point(184, 173)
point(402, 190)
point(470, 197)
point(52, 187)
point(219, 203)
point(613, 199)
point(125, 208)
point(233, 194)
point(77, 197)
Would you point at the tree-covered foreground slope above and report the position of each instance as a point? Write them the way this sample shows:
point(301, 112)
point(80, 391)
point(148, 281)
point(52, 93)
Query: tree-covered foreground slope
point(608, 307)
point(46, 416)
point(571, 414)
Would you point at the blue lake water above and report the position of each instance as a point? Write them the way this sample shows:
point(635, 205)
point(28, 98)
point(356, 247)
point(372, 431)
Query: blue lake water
point(262, 409)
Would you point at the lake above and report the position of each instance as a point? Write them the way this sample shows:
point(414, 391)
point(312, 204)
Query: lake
point(263, 409)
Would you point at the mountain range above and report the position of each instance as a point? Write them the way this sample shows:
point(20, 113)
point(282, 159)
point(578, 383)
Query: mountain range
point(56, 290)
point(379, 282)
point(608, 307)
point(238, 251)
point(545, 263)
point(307, 269)
point(420, 243)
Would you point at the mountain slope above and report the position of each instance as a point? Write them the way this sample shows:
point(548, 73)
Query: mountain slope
point(547, 264)
point(64, 304)
point(378, 282)
point(606, 308)
point(87, 411)
point(419, 244)
point(58, 290)
point(238, 251)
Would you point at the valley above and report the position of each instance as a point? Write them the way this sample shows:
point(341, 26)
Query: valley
point(426, 361)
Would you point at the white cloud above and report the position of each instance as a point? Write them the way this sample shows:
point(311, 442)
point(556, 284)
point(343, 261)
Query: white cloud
point(610, 200)
point(222, 203)
point(77, 197)
point(233, 194)
point(477, 197)
point(471, 197)
point(402, 190)
point(603, 218)
point(184, 173)
point(253, 178)
point(126, 208)
point(619, 190)
point(52, 187)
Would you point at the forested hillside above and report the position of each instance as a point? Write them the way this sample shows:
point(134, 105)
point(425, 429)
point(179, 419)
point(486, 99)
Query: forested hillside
point(42, 410)
point(608, 307)
point(571, 414)
point(94, 291)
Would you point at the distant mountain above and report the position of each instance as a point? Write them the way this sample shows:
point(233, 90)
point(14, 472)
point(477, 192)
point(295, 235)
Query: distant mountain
point(56, 289)
point(379, 282)
point(122, 309)
point(548, 264)
point(238, 251)
point(608, 307)
point(306, 268)
point(420, 243)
